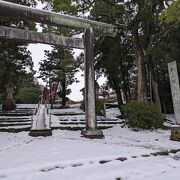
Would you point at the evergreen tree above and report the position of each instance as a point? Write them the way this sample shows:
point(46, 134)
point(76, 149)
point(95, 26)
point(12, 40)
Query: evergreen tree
point(16, 61)
point(59, 66)
point(152, 43)
point(149, 40)
point(172, 14)
point(114, 55)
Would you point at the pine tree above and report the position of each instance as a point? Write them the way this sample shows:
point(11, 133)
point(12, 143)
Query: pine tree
point(59, 66)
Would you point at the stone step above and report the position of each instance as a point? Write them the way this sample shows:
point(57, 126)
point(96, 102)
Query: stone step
point(14, 124)
point(68, 114)
point(77, 128)
point(77, 123)
point(16, 114)
point(13, 118)
point(59, 124)
point(83, 120)
point(16, 129)
point(19, 108)
point(21, 121)
point(14, 121)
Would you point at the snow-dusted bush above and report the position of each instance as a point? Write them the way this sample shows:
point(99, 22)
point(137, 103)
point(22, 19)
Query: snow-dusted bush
point(142, 115)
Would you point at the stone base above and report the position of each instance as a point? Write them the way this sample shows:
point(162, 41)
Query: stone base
point(92, 134)
point(43, 132)
point(175, 133)
point(8, 105)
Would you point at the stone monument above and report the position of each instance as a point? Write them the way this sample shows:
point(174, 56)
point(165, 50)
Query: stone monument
point(175, 91)
point(9, 103)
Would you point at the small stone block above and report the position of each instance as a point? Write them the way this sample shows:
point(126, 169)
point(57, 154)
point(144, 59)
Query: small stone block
point(175, 133)
point(44, 132)
point(92, 134)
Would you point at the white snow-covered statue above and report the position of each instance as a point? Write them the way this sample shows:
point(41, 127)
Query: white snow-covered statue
point(41, 121)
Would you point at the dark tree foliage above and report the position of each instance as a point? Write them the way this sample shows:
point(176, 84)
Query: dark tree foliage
point(114, 55)
point(145, 42)
point(147, 39)
point(15, 60)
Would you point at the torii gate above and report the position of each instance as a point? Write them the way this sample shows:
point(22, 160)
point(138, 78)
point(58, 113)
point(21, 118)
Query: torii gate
point(27, 13)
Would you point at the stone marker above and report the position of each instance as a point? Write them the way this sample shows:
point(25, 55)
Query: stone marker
point(175, 91)
point(91, 130)
point(9, 103)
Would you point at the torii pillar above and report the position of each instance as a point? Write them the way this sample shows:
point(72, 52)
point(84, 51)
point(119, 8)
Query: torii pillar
point(91, 130)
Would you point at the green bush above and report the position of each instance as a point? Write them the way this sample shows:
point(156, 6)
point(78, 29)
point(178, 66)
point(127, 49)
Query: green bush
point(28, 95)
point(99, 107)
point(142, 115)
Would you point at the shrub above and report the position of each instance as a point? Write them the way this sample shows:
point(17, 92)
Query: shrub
point(99, 107)
point(142, 115)
point(28, 95)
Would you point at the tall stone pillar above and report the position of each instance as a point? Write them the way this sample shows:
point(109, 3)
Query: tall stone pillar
point(175, 91)
point(91, 130)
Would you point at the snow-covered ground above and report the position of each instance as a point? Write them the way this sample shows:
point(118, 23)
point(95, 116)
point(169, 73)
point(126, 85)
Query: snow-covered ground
point(66, 155)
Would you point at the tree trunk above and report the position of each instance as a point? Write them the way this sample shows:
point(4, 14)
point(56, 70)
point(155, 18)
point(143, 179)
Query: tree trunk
point(118, 93)
point(50, 87)
point(119, 98)
point(63, 82)
point(128, 86)
point(141, 75)
point(150, 86)
point(124, 84)
point(156, 93)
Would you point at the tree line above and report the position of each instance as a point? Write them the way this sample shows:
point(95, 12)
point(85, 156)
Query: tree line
point(134, 61)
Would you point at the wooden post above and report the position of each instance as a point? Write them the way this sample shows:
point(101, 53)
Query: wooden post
point(91, 123)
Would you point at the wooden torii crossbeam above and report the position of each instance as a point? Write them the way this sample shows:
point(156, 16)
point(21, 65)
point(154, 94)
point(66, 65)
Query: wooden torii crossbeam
point(27, 13)
point(36, 37)
point(23, 12)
